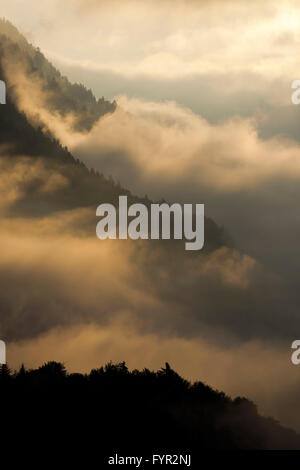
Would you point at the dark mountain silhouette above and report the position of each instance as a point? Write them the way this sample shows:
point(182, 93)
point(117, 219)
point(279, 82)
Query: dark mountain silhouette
point(19, 137)
point(113, 409)
point(61, 96)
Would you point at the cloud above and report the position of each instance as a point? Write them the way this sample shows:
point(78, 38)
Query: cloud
point(163, 141)
point(163, 149)
point(50, 278)
point(166, 38)
point(22, 175)
point(52, 274)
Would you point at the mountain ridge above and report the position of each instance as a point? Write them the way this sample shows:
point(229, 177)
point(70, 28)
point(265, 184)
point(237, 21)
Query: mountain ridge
point(62, 96)
point(21, 137)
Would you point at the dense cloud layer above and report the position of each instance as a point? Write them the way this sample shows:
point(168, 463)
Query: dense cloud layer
point(247, 183)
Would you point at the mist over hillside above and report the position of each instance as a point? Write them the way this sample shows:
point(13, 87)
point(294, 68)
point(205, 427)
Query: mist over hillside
point(61, 96)
point(26, 137)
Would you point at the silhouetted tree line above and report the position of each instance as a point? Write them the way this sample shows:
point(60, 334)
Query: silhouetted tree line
point(112, 409)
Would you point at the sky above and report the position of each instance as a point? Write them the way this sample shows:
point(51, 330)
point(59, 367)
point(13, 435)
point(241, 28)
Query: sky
point(204, 115)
